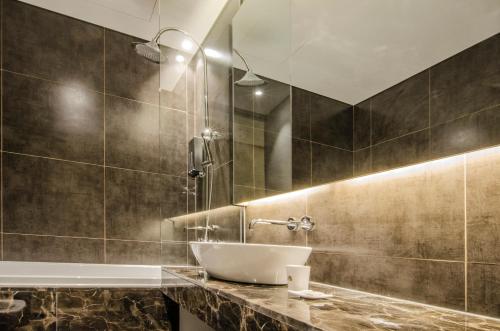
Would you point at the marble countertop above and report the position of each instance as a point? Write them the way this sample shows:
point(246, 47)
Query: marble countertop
point(346, 310)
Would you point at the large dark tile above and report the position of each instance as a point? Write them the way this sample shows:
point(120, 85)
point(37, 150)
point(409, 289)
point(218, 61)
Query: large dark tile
point(362, 129)
point(483, 289)
point(132, 135)
point(301, 113)
point(483, 209)
point(278, 120)
point(244, 155)
point(330, 164)
point(132, 252)
point(466, 82)
point(222, 186)
point(39, 312)
point(50, 197)
point(331, 122)
point(478, 130)
point(173, 142)
point(362, 162)
point(52, 249)
point(276, 166)
point(175, 228)
point(409, 149)
point(243, 193)
point(173, 253)
point(111, 309)
point(133, 205)
point(393, 214)
point(301, 164)
point(401, 109)
point(228, 221)
point(52, 46)
point(173, 196)
point(173, 94)
point(129, 75)
point(432, 282)
point(50, 119)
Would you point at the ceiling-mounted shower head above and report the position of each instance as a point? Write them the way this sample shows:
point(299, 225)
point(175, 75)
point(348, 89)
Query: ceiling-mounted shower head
point(250, 80)
point(150, 50)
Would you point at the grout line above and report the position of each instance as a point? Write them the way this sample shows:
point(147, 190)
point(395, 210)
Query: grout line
point(104, 150)
point(144, 171)
point(52, 158)
point(74, 87)
point(429, 112)
point(1, 132)
point(466, 258)
point(385, 256)
point(134, 240)
point(65, 84)
point(50, 235)
point(308, 103)
point(186, 138)
point(92, 164)
point(371, 129)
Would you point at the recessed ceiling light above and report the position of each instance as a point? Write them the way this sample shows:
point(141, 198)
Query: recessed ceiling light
point(212, 53)
point(187, 45)
point(179, 58)
point(258, 92)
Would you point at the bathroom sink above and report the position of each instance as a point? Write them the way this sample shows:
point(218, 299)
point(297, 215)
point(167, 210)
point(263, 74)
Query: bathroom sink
point(248, 263)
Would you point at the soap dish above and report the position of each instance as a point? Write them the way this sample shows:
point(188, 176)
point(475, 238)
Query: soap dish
point(310, 294)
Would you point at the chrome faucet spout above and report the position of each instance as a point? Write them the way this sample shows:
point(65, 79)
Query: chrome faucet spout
point(292, 223)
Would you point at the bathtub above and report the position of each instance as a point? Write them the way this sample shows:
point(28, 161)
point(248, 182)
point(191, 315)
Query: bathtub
point(72, 275)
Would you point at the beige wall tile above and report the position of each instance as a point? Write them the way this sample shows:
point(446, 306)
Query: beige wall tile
point(432, 282)
point(417, 212)
point(483, 206)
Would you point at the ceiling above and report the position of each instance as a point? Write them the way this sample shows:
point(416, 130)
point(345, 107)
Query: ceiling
point(351, 50)
point(142, 18)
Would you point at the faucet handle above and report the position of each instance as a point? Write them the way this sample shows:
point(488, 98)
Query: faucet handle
point(306, 223)
point(293, 224)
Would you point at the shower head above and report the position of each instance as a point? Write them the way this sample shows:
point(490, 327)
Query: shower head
point(150, 50)
point(250, 80)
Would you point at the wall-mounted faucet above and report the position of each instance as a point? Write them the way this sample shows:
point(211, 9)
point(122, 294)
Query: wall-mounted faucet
point(306, 223)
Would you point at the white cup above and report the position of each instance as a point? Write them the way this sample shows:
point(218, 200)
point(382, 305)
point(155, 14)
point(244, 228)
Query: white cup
point(298, 277)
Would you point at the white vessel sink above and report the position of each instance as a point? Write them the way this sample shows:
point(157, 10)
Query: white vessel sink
point(249, 263)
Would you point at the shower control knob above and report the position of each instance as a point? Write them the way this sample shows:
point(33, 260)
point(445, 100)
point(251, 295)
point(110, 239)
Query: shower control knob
point(195, 173)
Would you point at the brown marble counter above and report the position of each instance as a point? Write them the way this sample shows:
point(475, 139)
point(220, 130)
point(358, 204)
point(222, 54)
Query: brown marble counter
point(232, 306)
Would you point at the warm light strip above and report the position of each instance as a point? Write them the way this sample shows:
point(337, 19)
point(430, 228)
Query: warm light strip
point(392, 173)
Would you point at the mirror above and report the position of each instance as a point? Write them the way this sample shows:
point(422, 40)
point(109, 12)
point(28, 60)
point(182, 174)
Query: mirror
point(357, 87)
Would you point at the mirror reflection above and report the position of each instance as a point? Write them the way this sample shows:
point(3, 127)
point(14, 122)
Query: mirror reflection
point(359, 87)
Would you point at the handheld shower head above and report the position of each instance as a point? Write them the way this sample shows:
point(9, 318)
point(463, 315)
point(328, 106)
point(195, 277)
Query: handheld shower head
point(150, 50)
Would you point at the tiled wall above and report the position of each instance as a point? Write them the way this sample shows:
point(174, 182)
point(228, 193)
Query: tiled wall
point(427, 232)
point(305, 140)
point(90, 163)
point(450, 108)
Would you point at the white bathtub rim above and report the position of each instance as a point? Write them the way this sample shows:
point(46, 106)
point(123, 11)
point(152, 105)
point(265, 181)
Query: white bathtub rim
point(78, 275)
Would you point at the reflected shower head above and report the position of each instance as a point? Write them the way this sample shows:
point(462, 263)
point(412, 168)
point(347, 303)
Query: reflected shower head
point(150, 50)
point(250, 80)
